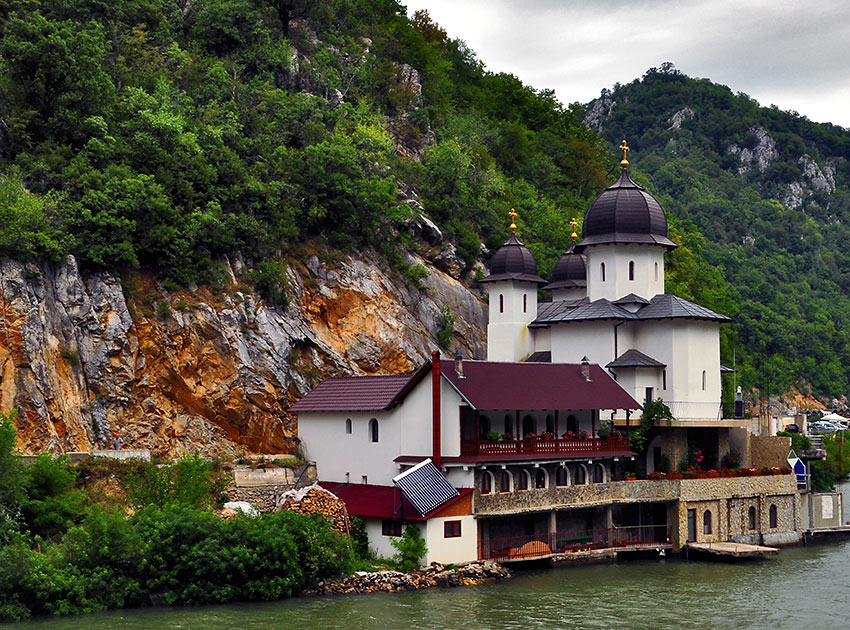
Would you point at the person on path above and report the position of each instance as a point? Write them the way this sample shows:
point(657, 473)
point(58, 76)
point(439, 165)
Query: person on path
point(117, 441)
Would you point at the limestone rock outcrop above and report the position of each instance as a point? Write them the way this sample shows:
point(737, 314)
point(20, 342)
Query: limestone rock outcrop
point(205, 371)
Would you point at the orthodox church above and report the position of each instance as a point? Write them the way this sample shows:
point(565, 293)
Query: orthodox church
point(609, 307)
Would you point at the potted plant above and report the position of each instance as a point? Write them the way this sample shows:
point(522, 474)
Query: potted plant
point(493, 436)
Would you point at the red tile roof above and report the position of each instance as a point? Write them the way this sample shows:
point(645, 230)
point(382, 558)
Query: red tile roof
point(384, 502)
point(360, 393)
point(494, 385)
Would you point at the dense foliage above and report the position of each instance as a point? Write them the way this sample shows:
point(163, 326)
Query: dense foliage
point(170, 134)
point(62, 553)
point(781, 271)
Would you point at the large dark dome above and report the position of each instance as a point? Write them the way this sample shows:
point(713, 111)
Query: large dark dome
point(570, 271)
point(513, 261)
point(625, 213)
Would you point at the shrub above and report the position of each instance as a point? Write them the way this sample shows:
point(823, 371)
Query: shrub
point(445, 327)
point(731, 459)
point(411, 548)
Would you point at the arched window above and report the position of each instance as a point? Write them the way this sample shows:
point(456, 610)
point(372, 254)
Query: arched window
point(525, 302)
point(598, 473)
point(550, 423)
point(527, 425)
point(540, 479)
point(348, 426)
point(663, 379)
point(505, 481)
point(486, 484)
point(706, 522)
point(703, 380)
point(501, 303)
point(522, 481)
point(631, 270)
point(581, 475)
point(561, 477)
point(373, 429)
point(752, 517)
point(773, 517)
point(656, 272)
point(483, 427)
point(572, 424)
point(602, 269)
point(509, 423)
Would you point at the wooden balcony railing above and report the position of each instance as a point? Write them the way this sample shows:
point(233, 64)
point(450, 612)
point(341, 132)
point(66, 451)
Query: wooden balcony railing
point(538, 446)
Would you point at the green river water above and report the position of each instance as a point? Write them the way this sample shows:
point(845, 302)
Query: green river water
point(803, 587)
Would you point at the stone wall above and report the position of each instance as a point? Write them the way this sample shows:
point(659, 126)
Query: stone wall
point(729, 499)
point(263, 487)
point(571, 497)
point(674, 444)
point(769, 451)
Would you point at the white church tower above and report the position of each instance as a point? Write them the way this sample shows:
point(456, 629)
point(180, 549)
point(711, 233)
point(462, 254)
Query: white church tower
point(624, 241)
point(512, 287)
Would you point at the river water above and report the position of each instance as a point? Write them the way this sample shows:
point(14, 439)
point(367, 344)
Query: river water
point(802, 587)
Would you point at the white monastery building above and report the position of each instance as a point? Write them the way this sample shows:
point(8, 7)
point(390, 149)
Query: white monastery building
point(519, 455)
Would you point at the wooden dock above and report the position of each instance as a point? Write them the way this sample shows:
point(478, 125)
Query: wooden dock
point(729, 551)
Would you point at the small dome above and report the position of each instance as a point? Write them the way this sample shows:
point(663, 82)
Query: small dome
point(625, 213)
point(513, 261)
point(570, 271)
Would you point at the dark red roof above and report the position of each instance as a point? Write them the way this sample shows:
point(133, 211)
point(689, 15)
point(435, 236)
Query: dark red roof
point(494, 385)
point(360, 393)
point(384, 502)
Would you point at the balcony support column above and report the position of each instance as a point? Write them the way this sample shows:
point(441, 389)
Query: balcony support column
point(553, 529)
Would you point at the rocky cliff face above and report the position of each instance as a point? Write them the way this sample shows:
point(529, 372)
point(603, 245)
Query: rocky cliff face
point(205, 371)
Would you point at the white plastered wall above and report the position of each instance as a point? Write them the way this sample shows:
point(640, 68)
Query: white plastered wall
point(571, 341)
point(648, 271)
point(508, 337)
point(446, 550)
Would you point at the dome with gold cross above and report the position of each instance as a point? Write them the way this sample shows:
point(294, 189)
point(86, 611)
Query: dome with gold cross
point(513, 260)
point(625, 213)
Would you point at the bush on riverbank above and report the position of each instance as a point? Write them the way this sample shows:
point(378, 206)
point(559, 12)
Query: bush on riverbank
point(61, 553)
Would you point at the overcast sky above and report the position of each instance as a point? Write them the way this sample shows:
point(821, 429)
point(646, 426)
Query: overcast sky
point(795, 55)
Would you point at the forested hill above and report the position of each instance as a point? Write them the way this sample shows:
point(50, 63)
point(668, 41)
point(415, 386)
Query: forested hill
point(768, 191)
point(167, 136)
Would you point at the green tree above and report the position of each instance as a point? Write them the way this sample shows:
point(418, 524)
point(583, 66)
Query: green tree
point(411, 548)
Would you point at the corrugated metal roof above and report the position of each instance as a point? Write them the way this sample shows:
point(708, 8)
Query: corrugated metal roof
point(494, 385)
point(635, 359)
point(663, 306)
point(668, 306)
point(360, 393)
point(579, 310)
point(425, 487)
point(540, 357)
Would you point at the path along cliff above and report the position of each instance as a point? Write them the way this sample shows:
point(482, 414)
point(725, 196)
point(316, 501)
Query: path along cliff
point(211, 371)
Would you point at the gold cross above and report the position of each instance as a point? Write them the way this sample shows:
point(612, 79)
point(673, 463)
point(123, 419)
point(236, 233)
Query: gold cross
point(574, 225)
point(625, 149)
point(513, 215)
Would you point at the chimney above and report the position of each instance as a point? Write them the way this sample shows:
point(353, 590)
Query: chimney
point(585, 368)
point(435, 401)
point(459, 364)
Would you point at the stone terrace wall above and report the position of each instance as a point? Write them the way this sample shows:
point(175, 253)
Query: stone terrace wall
point(729, 499)
point(569, 497)
point(769, 451)
point(262, 487)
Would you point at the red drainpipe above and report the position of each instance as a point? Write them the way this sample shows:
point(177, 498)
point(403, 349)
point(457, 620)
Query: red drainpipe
point(435, 399)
